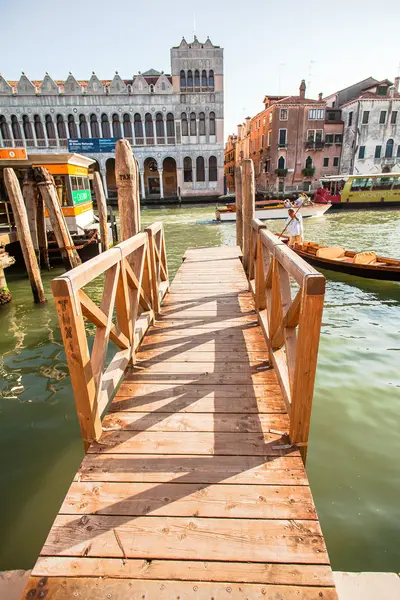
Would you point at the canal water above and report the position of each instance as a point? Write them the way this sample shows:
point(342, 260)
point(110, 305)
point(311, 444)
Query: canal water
point(353, 460)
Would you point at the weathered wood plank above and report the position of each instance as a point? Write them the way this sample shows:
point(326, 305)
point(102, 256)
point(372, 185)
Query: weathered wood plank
point(123, 589)
point(273, 540)
point(203, 353)
point(249, 470)
point(301, 575)
point(170, 442)
point(229, 423)
point(189, 500)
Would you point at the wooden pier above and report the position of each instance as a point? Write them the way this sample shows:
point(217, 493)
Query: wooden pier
point(193, 485)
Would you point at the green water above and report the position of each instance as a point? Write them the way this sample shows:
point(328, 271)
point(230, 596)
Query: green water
point(353, 460)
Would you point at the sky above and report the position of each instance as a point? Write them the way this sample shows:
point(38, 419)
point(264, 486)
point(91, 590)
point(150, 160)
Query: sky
point(269, 47)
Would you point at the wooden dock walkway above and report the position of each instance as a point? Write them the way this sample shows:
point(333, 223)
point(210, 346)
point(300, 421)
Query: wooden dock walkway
point(193, 489)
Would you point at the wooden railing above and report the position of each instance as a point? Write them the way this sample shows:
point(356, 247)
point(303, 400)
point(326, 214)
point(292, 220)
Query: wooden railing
point(159, 267)
point(135, 281)
point(289, 297)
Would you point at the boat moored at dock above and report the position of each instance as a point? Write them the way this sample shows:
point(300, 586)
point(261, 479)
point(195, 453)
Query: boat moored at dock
point(272, 210)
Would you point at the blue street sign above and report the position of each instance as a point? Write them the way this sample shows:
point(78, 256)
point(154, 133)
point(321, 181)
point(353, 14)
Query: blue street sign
point(90, 146)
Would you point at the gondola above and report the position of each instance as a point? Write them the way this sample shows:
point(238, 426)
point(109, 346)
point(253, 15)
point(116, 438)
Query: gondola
point(362, 264)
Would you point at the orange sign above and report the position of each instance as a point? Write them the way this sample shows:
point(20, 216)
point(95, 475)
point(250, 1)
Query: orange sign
point(13, 154)
point(65, 169)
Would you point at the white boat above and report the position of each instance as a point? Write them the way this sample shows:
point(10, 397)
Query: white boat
point(265, 212)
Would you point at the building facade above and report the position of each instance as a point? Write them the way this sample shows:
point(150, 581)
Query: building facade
point(371, 115)
point(173, 122)
point(292, 142)
point(229, 163)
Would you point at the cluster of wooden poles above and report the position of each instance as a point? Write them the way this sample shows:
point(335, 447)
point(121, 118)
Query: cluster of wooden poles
point(39, 192)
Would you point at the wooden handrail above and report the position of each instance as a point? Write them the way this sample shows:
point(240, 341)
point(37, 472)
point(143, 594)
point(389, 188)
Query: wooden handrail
point(289, 297)
point(134, 293)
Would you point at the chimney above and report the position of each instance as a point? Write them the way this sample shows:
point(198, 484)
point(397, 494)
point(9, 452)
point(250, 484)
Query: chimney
point(320, 97)
point(396, 83)
point(302, 89)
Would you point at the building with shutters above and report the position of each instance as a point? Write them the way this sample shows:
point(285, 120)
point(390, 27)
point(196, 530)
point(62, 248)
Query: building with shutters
point(174, 122)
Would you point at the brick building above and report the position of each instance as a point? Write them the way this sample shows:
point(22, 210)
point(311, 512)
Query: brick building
point(293, 142)
point(229, 162)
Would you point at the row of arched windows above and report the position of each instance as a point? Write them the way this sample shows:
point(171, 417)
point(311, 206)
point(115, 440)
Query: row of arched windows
point(200, 169)
point(192, 80)
point(189, 126)
point(86, 129)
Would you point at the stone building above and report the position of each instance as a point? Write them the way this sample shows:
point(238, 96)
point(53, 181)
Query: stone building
point(292, 142)
point(229, 162)
point(174, 122)
point(371, 115)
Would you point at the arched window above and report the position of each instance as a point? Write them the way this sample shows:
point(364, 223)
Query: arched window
point(308, 162)
point(39, 131)
point(212, 123)
point(160, 133)
point(197, 79)
point(127, 126)
point(16, 130)
point(211, 79)
point(105, 126)
point(192, 123)
point(94, 126)
point(281, 162)
point(148, 126)
point(73, 132)
point(138, 127)
point(184, 120)
point(202, 124)
point(163, 86)
point(212, 169)
point(170, 125)
point(27, 127)
point(50, 129)
point(152, 89)
point(116, 126)
point(83, 127)
point(204, 78)
point(183, 80)
point(4, 128)
point(187, 169)
point(190, 80)
point(389, 149)
point(61, 129)
point(200, 171)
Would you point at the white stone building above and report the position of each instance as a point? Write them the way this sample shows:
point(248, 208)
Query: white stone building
point(371, 116)
point(174, 122)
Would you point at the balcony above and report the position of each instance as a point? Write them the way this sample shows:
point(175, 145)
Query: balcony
point(54, 143)
point(314, 145)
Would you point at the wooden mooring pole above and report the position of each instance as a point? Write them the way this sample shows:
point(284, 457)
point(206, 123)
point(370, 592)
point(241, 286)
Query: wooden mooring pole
point(126, 175)
point(30, 192)
point(24, 234)
point(239, 206)
point(248, 202)
point(48, 192)
point(102, 208)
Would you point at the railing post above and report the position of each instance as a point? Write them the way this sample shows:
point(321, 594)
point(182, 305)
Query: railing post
point(239, 206)
point(248, 201)
point(259, 276)
point(78, 359)
point(306, 360)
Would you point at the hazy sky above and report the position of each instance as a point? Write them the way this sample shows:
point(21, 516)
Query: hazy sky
point(268, 45)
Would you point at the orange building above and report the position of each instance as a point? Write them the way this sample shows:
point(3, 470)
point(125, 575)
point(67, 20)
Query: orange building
point(292, 142)
point(229, 162)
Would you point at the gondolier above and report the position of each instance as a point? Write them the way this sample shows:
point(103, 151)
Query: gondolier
point(294, 227)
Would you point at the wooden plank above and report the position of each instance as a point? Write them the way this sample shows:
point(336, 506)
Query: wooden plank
point(189, 500)
point(301, 575)
point(272, 540)
point(98, 588)
point(204, 377)
point(171, 442)
point(202, 353)
point(198, 399)
point(247, 367)
point(228, 423)
point(248, 470)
